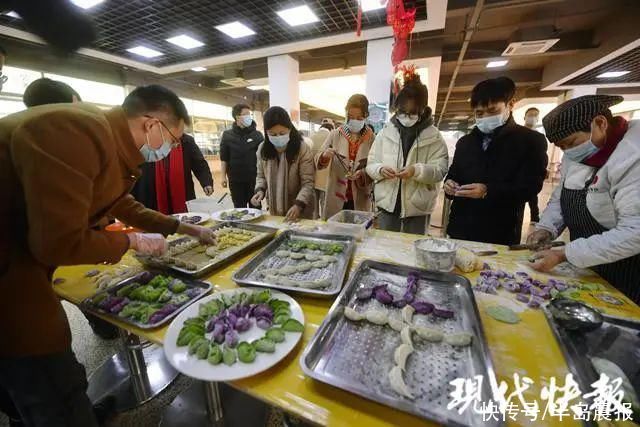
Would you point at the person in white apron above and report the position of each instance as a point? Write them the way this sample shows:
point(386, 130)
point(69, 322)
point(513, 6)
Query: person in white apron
point(598, 199)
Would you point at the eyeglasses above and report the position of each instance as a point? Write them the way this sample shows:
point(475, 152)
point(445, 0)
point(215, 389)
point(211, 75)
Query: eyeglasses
point(176, 140)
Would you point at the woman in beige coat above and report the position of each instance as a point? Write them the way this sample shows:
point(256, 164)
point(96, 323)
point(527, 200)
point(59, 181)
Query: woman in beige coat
point(345, 153)
point(285, 169)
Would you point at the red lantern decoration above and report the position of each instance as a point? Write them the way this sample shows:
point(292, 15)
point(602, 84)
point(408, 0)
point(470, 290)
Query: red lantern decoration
point(402, 22)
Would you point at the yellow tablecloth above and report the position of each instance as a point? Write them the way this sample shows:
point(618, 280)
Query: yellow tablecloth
point(528, 348)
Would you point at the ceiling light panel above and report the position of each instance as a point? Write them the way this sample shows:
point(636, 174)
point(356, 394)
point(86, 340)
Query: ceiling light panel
point(298, 15)
point(368, 5)
point(12, 14)
point(496, 64)
point(144, 52)
point(86, 4)
point(198, 69)
point(612, 74)
point(235, 30)
point(185, 42)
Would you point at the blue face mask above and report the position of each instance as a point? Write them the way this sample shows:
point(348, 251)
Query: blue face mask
point(246, 120)
point(355, 125)
point(487, 125)
point(581, 152)
point(279, 141)
point(156, 154)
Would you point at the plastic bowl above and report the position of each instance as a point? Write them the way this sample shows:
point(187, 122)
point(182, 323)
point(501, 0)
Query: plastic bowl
point(435, 254)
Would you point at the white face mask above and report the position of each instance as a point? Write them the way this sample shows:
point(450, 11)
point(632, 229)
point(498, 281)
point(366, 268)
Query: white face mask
point(246, 120)
point(581, 152)
point(156, 154)
point(489, 124)
point(531, 121)
point(279, 141)
point(408, 120)
point(355, 125)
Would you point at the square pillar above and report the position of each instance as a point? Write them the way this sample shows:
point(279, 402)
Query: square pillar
point(284, 79)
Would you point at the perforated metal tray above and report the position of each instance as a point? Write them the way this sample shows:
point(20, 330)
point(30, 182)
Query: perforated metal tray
point(250, 273)
point(357, 356)
point(617, 340)
point(231, 255)
point(86, 304)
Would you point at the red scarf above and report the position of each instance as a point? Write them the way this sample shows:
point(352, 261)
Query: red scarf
point(614, 135)
point(170, 188)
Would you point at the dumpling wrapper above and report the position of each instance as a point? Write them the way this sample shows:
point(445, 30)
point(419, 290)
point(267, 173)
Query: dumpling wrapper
point(395, 323)
point(397, 382)
point(352, 314)
point(405, 336)
point(503, 314)
point(407, 313)
point(428, 334)
point(377, 317)
point(458, 339)
point(401, 354)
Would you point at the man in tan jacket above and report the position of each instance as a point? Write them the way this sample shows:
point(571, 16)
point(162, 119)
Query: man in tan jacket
point(63, 168)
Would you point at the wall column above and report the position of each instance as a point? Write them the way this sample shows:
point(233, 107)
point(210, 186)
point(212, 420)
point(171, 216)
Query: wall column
point(284, 84)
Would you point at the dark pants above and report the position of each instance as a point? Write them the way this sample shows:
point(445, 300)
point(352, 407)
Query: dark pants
point(349, 205)
point(241, 193)
point(533, 207)
point(49, 390)
point(412, 225)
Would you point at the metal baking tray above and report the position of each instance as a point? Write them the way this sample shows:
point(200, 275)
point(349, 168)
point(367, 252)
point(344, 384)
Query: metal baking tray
point(86, 304)
point(358, 356)
point(233, 254)
point(617, 340)
point(249, 273)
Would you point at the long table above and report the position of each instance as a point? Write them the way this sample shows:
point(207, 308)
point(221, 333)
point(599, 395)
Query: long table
point(528, 347)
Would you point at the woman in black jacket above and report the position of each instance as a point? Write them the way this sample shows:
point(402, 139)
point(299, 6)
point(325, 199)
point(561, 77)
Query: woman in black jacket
point(178, 185)
point(496, 168)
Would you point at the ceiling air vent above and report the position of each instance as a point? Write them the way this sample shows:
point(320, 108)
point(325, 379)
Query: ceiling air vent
point(236, 82)
point(528, 48)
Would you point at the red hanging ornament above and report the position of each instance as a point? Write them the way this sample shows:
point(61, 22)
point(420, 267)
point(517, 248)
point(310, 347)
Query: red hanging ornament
point(402, 22)
point(359, 19)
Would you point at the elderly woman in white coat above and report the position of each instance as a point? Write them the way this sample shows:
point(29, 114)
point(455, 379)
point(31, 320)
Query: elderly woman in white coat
point(407, 161)
point(344, 153)
point(598, 199)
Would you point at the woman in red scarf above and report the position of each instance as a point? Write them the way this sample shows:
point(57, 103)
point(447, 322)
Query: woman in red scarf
point(598, 199)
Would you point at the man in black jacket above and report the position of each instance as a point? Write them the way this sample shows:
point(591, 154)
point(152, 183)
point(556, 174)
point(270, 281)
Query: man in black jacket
point(145, 189)
point(238, 149)
point(496, 168)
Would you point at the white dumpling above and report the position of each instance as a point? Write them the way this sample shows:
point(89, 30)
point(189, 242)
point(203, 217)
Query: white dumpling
point(312, 257)
point(272, 278)
point(428, 334)
point(377, 317)
point(282, 254)
point(303, 267)
point(405, 336)
point(287, 270)
point(211, 251)
point(459, 339)
point(401, 354)
point(285, 281)
point(397, 382)
point(407, 313)
point(314, 284)
point(329, 258)
point(395, 323)
point(352, 314)
point(320, 264)
point(296, 255)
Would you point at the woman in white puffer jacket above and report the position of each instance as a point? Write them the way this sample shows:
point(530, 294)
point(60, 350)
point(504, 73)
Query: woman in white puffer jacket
point(407, 162)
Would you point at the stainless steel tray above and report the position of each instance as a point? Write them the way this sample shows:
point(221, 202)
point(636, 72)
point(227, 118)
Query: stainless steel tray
point(268, 234)
point(617, 340)
point(86, 304)
point(358, 356)
point(249, 273)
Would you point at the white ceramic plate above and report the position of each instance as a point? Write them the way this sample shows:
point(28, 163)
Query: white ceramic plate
point(251, 215)
point(201, 369)
point(204, 217)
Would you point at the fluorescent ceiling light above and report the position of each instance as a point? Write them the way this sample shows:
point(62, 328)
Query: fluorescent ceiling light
point(495, 64)
point(263, 87)
point(612, 74)
point(235, 29)
point(185, 42)
point(368, 5)
point(460, 117)
point(86, 4)
point(13, 15)
point(298, 15)
point(144, 51)
point(198, 69)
